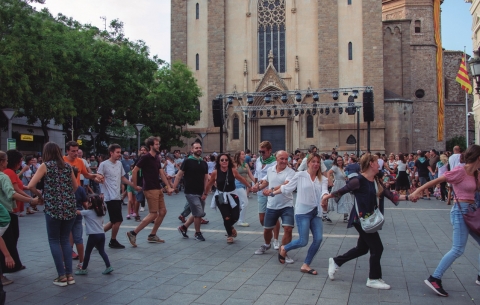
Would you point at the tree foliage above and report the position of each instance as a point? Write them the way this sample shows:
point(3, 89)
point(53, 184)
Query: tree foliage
point(172, 104)
point(55, 69)
point(457, 141)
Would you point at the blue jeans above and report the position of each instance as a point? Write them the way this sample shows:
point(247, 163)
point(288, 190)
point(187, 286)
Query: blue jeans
point(58, 232)
point(305, 223)
point(459, 239)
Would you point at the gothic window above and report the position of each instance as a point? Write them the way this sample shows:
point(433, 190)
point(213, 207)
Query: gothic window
point(197, 11)
point(271, 34)
point(197, 62)
point(310, 126)
point(350, 51)
point(236, 129)
point(418, 26)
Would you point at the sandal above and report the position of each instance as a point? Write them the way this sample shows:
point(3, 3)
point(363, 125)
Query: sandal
point(281, 258)
point(311, 271)
point(70, 279)
point(60, 281)
point(230, 240)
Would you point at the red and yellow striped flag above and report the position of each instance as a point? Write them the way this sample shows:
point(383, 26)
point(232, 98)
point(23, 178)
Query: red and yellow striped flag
point(462, 77)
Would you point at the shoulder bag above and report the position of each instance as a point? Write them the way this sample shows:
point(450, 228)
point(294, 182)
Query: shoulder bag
point(471, 218)
point(374, 222)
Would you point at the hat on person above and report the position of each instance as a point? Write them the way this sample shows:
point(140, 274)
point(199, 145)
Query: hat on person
point(133, 154)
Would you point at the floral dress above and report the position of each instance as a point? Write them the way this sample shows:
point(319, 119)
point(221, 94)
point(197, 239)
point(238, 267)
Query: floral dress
point(345, 204)
point(58, 192)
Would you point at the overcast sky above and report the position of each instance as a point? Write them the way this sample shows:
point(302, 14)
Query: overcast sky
point(149, 20)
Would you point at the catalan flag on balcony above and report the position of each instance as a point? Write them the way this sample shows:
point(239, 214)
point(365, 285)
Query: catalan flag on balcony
point(462, 77)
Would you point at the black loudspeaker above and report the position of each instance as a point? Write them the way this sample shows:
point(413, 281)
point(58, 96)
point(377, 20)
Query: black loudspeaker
point(368, 112)
point(217, 113)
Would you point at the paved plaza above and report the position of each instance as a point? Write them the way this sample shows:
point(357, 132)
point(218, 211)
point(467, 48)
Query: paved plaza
point(185, 271)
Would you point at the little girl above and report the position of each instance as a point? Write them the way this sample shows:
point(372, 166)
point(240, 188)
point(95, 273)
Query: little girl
point(414, 185)
point(96, 236)
point(436, 192)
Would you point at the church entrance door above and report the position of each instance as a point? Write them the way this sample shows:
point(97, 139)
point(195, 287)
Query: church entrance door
point(275, 135)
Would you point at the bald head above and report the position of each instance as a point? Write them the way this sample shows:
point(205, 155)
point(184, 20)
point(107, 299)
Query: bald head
point(282, 160)
point(456, 149)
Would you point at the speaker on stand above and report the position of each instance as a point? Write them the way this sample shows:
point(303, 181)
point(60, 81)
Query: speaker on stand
point(368, 113)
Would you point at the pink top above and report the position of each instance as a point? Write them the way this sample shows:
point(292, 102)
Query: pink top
point(463, 184)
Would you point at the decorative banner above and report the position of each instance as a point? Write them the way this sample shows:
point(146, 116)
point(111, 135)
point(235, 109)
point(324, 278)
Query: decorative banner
point(438, 41)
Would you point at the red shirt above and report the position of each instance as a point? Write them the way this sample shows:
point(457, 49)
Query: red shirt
point(15, 180)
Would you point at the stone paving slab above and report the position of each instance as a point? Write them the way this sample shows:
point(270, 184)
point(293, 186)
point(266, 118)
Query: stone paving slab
point(185, 271)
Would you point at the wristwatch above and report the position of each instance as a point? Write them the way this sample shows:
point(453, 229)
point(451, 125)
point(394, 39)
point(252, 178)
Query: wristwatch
point(272, 194)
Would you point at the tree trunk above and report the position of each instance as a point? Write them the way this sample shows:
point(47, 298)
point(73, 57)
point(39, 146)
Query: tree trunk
point(45, 131)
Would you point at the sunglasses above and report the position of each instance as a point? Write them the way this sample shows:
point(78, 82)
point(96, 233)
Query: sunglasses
point(223, 160)
point(261, 152)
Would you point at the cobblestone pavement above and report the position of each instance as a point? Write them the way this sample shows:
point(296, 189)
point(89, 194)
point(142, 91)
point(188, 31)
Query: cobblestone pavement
point(185, 271)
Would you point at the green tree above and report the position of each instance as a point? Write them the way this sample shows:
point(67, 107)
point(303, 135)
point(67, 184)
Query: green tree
point(171, 104)
point(458, 140)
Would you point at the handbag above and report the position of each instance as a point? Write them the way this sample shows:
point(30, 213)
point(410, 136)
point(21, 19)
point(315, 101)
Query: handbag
point(471, 218)
point(374, 222)
point(220, 198)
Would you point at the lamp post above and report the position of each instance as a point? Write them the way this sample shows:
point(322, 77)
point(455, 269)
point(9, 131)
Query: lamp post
point(474, 63)
point(9, 113)
point(138, 127)
point(94, 136)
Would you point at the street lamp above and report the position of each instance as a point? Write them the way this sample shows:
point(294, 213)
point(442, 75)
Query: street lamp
point(9, 113)
point(94, 135)
point(474, 63)
point(138, 127)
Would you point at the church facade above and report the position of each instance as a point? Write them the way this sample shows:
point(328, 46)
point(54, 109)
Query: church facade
point(262, 46)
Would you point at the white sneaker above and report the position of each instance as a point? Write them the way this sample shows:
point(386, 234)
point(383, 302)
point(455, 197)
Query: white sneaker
point(262, 249)
point(289, 260)
point(142, 209)
point(377, 284)
point(276, 244)
point(244, 224)
point(332, 268)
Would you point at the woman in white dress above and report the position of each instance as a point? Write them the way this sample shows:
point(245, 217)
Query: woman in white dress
point(345, 204)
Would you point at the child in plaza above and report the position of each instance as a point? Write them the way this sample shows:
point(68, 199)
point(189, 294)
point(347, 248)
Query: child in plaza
point(77, 230)
point(96, 236)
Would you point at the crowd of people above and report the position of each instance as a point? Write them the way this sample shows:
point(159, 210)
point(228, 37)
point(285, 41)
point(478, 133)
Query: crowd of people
point(74, 190)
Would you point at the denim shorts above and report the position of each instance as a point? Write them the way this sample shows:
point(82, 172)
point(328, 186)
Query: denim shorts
point(140, 196)
point(77, 231)
point(286, 214)
point(262, 202)
point(196, 204)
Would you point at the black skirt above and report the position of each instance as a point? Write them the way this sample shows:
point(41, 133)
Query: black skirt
point(402, 182)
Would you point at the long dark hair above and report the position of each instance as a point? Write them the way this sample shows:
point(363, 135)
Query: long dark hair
point(14, 158)
point(236, 158)
point(51, 152)
point(97, 205)
point(217, 164)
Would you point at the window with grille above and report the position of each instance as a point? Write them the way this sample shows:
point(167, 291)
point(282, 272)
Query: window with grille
point(310, 126)
point(271, 34)
point(350, 51)
point(236, 129)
